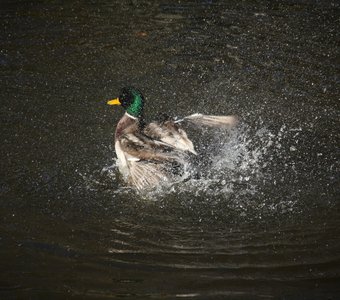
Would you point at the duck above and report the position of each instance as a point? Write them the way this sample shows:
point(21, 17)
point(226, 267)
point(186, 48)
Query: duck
point(149, 155)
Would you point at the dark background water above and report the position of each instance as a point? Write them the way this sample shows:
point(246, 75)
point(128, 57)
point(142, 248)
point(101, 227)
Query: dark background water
point(262, 223)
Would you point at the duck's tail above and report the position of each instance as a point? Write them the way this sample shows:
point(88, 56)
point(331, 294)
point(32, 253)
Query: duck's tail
point(211, 121)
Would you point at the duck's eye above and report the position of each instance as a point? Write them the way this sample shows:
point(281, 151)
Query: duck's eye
point(125, 99)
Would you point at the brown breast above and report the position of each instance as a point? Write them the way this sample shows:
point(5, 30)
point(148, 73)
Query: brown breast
point(125, 125)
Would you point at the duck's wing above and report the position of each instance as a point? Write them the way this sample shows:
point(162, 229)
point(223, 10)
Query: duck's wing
point(146, 162)
point(170, 133)
point(211, 121)
point(145, 175)
point(138, 145)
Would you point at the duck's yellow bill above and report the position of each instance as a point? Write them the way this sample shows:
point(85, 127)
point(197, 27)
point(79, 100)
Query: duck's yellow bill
point(114, 102)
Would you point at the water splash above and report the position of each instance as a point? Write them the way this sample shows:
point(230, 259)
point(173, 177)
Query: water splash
point(250, 170)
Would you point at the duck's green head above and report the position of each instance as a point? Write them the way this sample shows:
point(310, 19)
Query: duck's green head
point(132, 101)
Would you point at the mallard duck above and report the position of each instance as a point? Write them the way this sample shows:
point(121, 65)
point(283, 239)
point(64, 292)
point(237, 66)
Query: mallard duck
point(150, 154)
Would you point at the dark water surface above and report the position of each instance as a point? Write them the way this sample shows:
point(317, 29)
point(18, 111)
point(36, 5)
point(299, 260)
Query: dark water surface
point(263, 222)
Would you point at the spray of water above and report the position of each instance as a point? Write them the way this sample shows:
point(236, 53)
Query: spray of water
point(250, 170)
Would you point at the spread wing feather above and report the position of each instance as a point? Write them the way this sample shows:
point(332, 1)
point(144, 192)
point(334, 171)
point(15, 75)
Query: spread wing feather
point(170, 133)
point(212, 121)
point(145, 175)
point(145, 148)
point(147, 162)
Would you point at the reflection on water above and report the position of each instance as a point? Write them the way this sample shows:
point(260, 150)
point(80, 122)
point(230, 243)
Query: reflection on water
point(263, 219)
